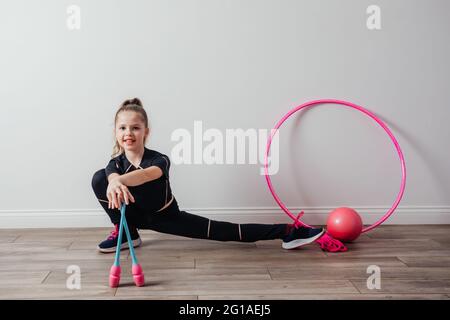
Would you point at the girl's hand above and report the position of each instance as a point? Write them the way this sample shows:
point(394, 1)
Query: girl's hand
point(117, 193)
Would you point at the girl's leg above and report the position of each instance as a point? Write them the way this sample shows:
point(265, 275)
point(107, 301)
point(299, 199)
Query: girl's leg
point(173, 221)
point(99, 185)
point(142, 215)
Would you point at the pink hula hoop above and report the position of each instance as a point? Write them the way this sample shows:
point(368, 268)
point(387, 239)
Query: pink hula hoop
point(354, 106)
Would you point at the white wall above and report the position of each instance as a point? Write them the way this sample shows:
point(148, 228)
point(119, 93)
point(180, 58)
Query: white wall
point(231, 64)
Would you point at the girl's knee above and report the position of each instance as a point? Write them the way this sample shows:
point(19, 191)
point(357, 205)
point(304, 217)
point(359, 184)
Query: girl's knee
point(99, 179)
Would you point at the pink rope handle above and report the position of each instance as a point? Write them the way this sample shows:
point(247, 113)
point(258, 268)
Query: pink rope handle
point(354, 106)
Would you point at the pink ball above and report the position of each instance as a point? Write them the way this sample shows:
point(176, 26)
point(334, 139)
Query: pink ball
point(344, 224)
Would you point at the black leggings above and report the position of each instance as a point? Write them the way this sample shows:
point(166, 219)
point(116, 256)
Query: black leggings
point(173, 221)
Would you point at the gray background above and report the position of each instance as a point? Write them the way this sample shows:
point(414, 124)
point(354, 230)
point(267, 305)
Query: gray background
point(231, 64)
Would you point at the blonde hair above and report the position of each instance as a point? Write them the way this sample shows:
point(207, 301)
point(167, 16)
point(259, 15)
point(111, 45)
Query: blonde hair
point(129, 105)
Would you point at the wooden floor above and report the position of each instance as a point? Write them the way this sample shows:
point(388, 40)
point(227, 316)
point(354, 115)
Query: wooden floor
point(414, 262)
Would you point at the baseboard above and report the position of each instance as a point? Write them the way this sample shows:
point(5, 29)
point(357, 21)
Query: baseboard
point(83, 218)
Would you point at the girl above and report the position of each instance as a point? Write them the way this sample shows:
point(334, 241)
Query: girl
point(140, 177)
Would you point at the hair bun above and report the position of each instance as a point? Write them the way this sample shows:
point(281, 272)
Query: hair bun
point(135, 101)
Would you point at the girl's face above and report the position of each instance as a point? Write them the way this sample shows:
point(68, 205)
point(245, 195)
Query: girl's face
point(130, 131)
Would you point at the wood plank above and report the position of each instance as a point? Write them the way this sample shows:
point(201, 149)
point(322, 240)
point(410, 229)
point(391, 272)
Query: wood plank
point(351, 273)
point(424, 261)
point(53, 291)
point(48, 265)
point(8, 238)
point(10, 232)
point(410, 232)
point(72, 256)
point(9, 278)
point(168, 262)
point(170, 244)
point(32, 247)
point(390, 252)
point(406, 286)
point(299, 260)
point(233, 253)
point(87, 277)
point(57, 237)
point(94, 263)
point(444, 241)
point(241, 287)
point(394, 243)
point(158, 275)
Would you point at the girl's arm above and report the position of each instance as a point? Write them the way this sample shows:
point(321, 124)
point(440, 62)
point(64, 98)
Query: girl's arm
point(113, 176)
point(138, 177)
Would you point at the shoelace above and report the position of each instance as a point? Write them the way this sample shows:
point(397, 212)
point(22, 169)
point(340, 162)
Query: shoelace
point(328, 243)
point(114, 233)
